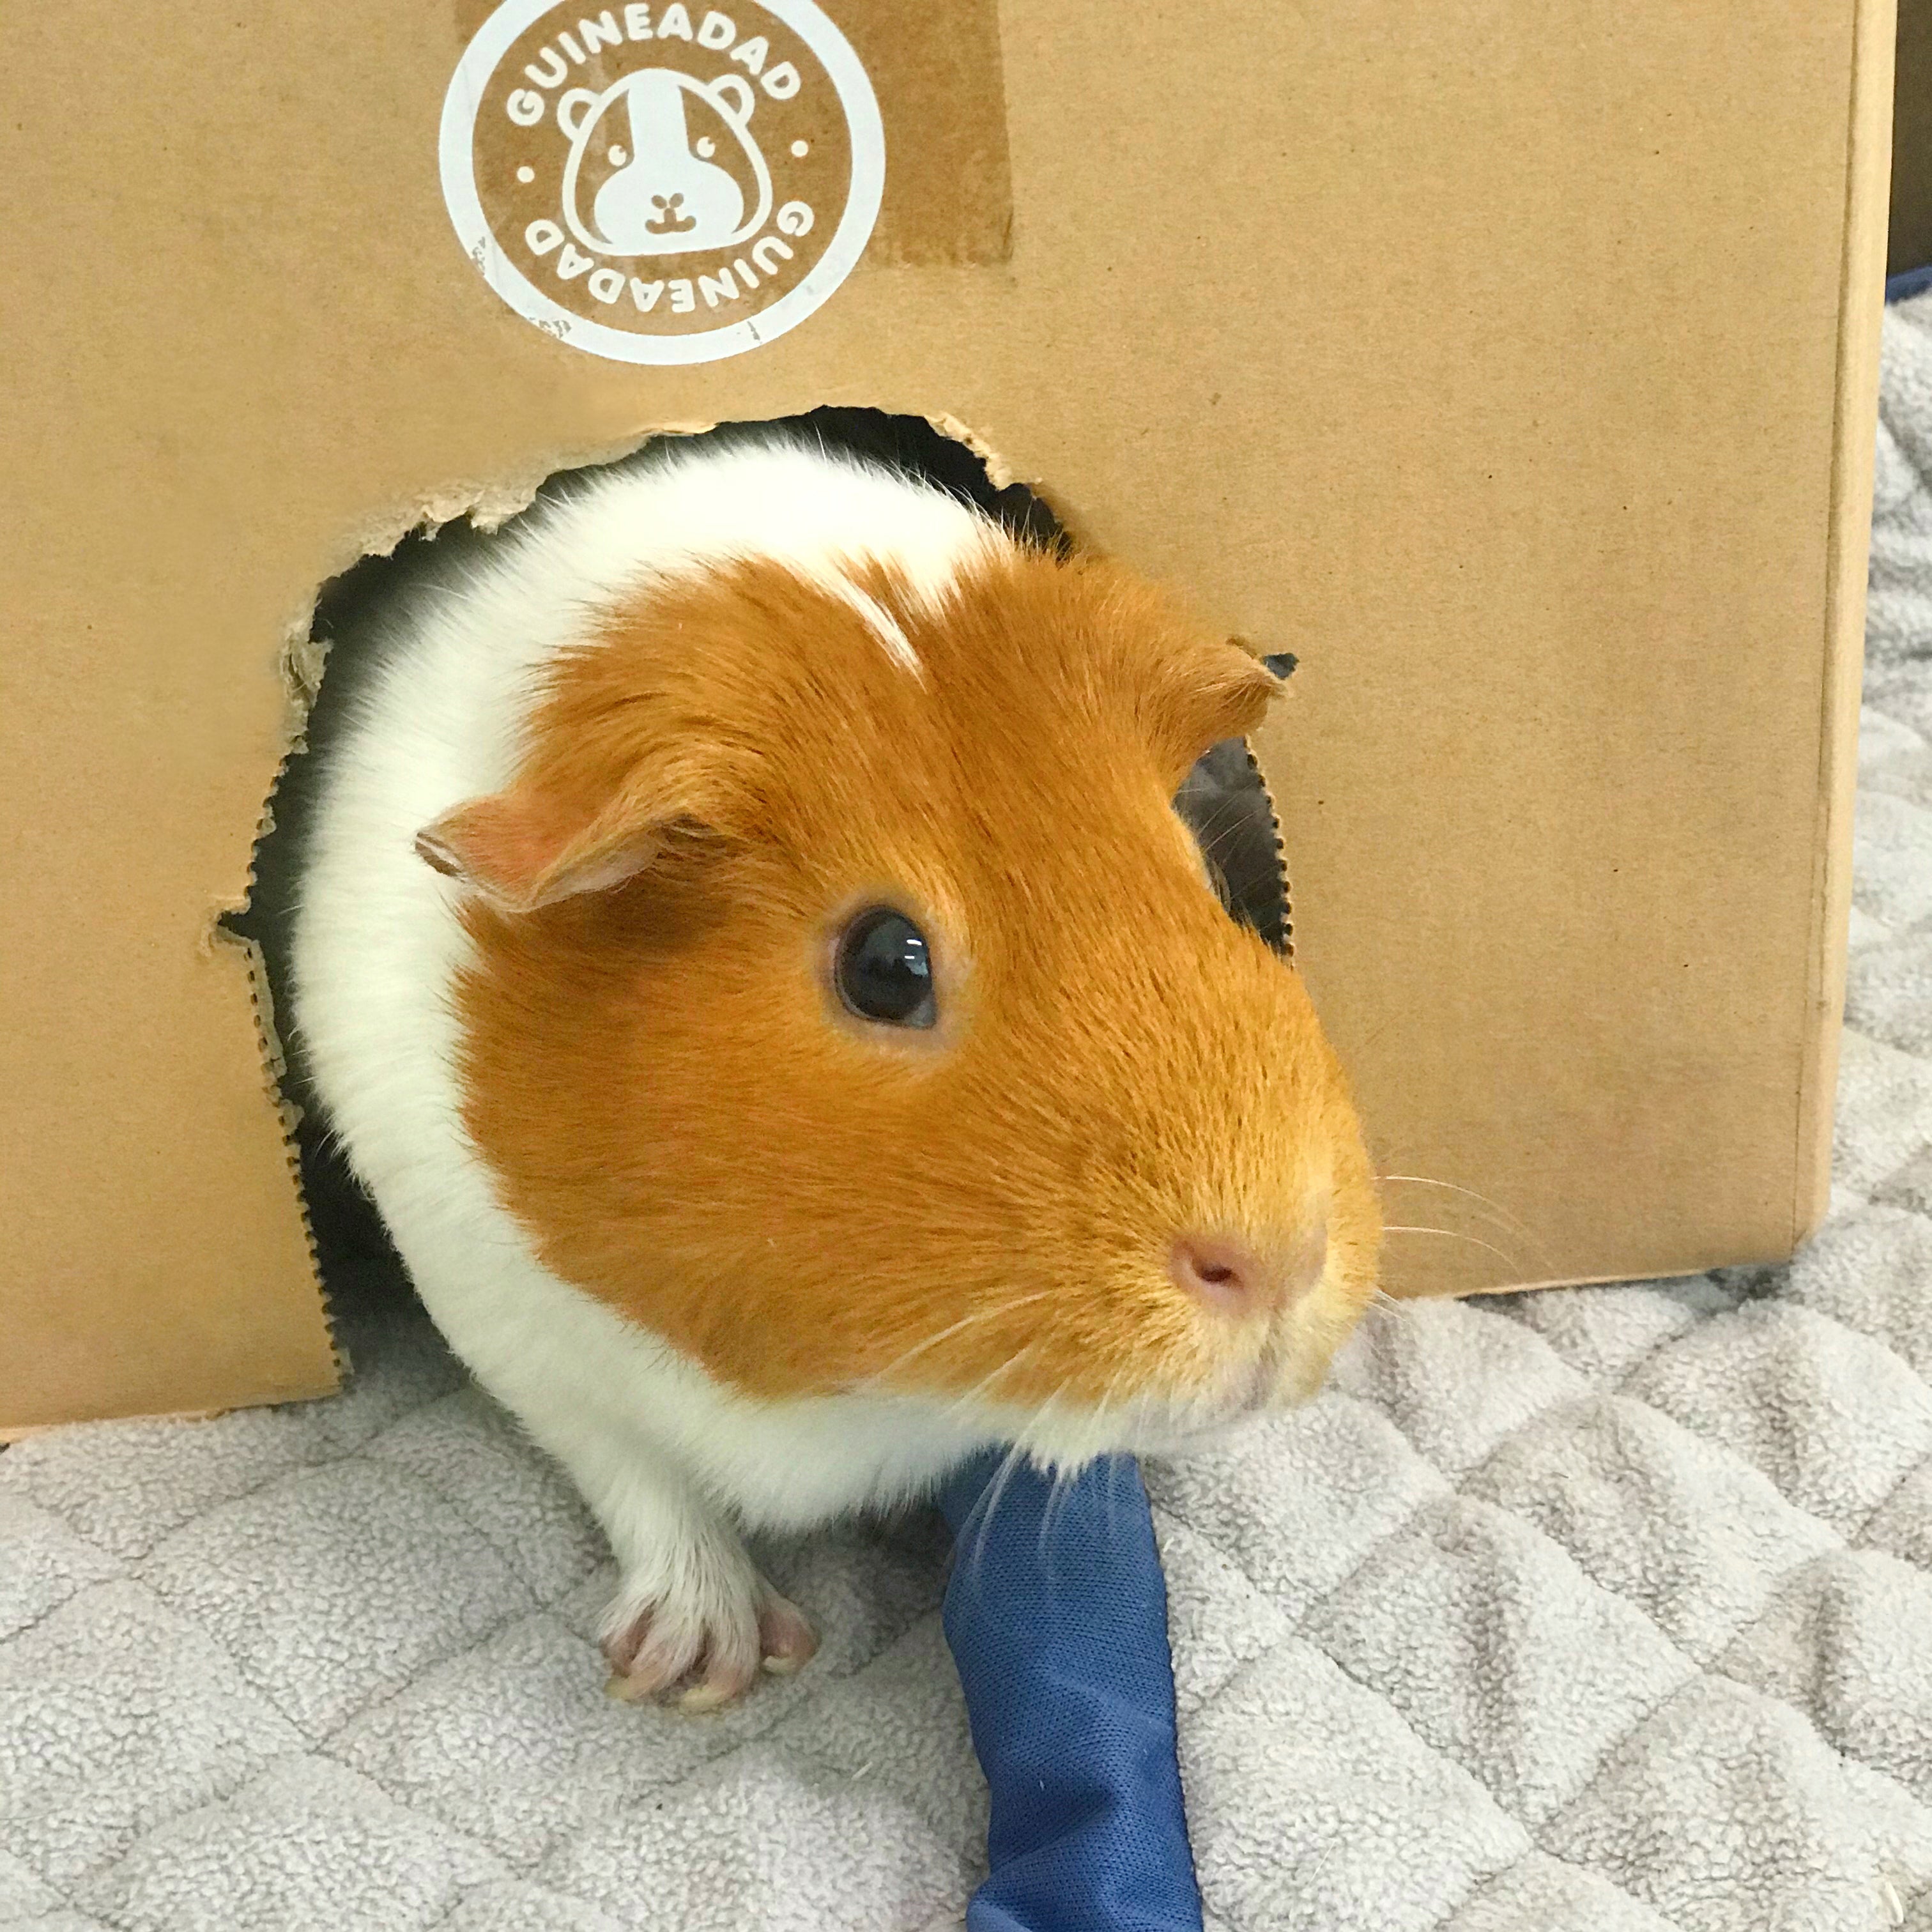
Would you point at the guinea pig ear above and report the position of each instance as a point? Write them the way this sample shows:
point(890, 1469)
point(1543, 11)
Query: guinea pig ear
point(1223, 692)
point(526, 847)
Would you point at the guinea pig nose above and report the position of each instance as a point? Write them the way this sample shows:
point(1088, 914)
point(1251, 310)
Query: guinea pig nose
point(1222, 1272)
point(1228, 1274)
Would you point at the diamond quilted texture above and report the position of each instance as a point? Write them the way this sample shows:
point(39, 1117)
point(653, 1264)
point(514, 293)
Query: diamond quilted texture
point(1387, 1832)
point(335, 1585)
point(1888, 750)
point(1603, 1333)
point(515, 1743)
point(1296, 1502)
point(863, 1586)
point(1888, 995)
point(1891, 834)
point(46, 1564)
point(24, 1894)
point(1726, 1813)
point(1846, 1643)
point(1460, 1378)
point(1902, 1524)
point(124, 1486)
point(1470, 1623)
point(1833, 1418)
point(1869, 1269)
point(1909, 1186)
point(467, 1450)
point(1669, 1521)
point(306, 1844)
point(1540, 1894)
point(528, 1908)
point(720, 1852)
point(116, 1712)
point(582, 1610)
point(1885, 1106)
point(904, 1710)
point(1217, 1620)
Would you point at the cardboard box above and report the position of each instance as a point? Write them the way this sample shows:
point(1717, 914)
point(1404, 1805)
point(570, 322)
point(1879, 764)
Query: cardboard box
point(1513, 364)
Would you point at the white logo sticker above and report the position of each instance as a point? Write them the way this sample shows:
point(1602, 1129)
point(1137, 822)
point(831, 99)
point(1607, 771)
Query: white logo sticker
point(662, 183)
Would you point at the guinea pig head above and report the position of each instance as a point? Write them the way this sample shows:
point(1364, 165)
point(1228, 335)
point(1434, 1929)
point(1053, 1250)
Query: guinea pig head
point(849, 1007)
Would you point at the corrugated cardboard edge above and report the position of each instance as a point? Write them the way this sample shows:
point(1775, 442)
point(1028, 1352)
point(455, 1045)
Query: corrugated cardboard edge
point(301, 669)
point(1861, 303)
point(1281, 866)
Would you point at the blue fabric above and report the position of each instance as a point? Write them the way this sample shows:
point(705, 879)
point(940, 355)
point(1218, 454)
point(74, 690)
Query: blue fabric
point(1913, 282)
point(1057, 1613)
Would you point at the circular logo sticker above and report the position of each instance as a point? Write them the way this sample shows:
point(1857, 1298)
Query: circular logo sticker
point(662, 183)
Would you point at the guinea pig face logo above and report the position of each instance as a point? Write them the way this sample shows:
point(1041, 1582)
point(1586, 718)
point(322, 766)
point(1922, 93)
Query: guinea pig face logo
point(662, 183)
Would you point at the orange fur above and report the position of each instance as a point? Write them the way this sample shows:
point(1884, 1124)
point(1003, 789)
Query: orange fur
point(694, 1131)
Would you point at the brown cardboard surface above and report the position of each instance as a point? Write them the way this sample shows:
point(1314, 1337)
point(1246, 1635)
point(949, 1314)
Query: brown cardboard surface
point(936, 65)
point(1510, 364)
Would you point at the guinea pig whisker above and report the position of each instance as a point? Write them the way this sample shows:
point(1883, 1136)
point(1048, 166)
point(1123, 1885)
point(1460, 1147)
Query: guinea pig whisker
point(982, 1510)
point(1229, 809)
point(877, 1379)
point(1508, 1261)
point(1214, 847)
point(1501, 1213)
point(1056, 1498)
point(980, 1387)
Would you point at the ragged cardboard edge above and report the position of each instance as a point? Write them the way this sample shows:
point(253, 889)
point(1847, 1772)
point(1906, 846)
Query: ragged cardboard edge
point(1854, 419)
point(274, 1065)
point(999, 472)
point(1002, 475)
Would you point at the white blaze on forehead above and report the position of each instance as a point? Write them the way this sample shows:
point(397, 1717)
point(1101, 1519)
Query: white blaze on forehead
point(881, 623)
point(830, 519)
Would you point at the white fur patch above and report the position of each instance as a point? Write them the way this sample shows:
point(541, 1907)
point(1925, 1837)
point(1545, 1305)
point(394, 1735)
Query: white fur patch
point(668, 1460)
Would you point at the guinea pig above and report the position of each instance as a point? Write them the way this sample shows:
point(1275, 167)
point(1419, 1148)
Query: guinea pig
point(749, 950)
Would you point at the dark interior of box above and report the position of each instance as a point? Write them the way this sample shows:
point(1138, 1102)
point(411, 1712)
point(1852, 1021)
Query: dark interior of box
point(1224, 800)
point(1911, 238)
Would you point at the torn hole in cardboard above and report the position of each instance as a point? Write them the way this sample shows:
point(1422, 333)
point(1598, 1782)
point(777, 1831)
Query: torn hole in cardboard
point(327, 655)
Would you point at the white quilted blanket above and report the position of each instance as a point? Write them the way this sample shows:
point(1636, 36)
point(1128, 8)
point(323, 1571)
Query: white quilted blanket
point(1603, 1609)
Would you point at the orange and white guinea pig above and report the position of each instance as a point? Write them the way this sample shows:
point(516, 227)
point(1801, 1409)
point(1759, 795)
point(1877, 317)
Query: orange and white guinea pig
point(749, 951)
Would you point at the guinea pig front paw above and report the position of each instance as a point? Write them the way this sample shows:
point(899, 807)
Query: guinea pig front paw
point(702, 1648)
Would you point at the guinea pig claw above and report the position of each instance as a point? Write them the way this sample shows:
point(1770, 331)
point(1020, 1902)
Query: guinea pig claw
point(700, 1665)
point(716, 1687)
point(649, 1678)
point(650, 1655)
point(786, 1641)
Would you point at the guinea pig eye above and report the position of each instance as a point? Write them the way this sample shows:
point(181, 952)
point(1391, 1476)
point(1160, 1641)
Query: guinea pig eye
point(882, 970)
